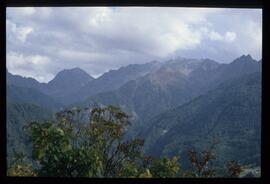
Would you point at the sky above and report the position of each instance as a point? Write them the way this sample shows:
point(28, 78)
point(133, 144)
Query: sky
point(41, 41)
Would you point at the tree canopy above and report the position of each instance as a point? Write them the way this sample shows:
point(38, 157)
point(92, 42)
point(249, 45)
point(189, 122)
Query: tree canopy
point(90, 143)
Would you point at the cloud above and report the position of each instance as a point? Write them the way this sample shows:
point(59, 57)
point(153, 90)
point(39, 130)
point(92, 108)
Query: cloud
point(20, 32)
point(23, 32)
point(31, 66)
point(21, 12)
point(230, 36)
point(224, 40)
point(227, 37)
point(98, 39)
point(215, 36)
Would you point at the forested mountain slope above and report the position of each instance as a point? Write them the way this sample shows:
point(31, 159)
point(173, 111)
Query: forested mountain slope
point(173, 84)
point(232, 112)
point(18, 116)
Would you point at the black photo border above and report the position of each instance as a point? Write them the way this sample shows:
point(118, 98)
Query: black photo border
point(265, 155)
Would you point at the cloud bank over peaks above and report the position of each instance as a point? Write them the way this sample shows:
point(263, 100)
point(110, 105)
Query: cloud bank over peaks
point(98, 39)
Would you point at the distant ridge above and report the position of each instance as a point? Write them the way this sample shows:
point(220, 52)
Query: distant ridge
point(68, 80)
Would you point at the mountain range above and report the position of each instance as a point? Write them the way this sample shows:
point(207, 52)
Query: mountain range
point(231, 112)
point(173, 84)
point(174, 105)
